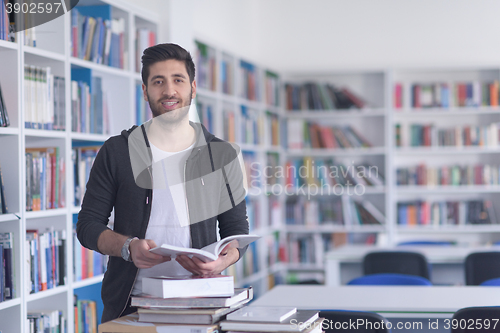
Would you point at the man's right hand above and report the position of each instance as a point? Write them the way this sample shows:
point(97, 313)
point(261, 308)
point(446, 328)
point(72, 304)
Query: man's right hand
point(142, 258)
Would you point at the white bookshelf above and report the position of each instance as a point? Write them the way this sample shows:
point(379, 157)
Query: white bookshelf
point(232, 101)
point(382, 115)
point(53, 49)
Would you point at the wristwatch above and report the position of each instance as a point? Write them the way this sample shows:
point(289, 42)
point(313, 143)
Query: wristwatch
point(126, 249)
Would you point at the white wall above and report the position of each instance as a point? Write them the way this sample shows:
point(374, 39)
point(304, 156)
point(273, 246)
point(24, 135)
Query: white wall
point(317, 35)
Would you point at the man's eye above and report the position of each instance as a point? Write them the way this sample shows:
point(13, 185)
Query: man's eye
point(158, 82)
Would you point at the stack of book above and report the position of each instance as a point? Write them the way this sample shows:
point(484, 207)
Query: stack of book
point(180, 314)
point(272, 319)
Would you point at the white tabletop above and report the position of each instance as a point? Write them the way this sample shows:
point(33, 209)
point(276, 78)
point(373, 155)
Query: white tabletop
point(410, 300)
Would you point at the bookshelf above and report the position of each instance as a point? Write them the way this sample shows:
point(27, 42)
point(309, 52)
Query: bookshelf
point(458, 147)
point(54, 50)
point(331, 140)
point(434, 137)
point(239, 100)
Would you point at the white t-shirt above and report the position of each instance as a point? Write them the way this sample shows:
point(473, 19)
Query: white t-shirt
point(168, 222)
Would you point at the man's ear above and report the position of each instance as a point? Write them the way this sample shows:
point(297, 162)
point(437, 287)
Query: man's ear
point(145, 92)
point(193, 87)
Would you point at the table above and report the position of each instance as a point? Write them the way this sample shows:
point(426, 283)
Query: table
point(400, 304)
point(447, 262)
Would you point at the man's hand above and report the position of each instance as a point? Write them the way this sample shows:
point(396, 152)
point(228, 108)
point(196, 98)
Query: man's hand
point(227, 257)
point(142, 258)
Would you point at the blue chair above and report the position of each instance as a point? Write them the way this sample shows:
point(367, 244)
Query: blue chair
point(481, 266)
point(372, 322)
point(390, 279)
point(398, 262)
point(462, 319)
point(491, 282)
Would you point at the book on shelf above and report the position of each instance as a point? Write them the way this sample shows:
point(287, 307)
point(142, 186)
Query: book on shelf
point(229, 124)
point(303, 134)
point(208, 253)
point(87, 263)
point(3, 201)
point(142, 110)
point(44, 259)
point(317, 96)
point(205, 111)
point(4, 115)
point(251, 126)
point(325, 174)
point(83, 158)
point(7, 243)
point(45, 174)
point(46, 321)
point(302, 249)
point(206, 68)
point(227, 74)
point(398, 95)
point(88, 102)
point(239, 295)
point(300, 321)
point(85, 315)
point(144, 38)
point(446, 213)
point(272, 88)
point(130, 324)
point(188, 286)
point(336, 211)
point(273, 129)
point(2, 276)
point(426, 135)
point(451, 175)
point(98, 37)
point(250, 79)
point(44, 99)
point(187, 316)
point(452, 94)
point(268, 314)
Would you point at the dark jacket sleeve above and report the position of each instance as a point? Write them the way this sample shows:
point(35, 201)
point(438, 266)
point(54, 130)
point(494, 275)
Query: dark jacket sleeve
point(234, 221)
point(98, 201)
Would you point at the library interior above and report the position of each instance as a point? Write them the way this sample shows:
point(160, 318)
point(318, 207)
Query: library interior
point(367, 133)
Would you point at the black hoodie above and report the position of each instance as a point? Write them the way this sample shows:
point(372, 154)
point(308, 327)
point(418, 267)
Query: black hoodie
point(117, 182)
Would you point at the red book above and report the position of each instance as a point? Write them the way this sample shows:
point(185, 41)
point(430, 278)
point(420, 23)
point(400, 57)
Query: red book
point(416, 96)
point(398, 96)
point(494, 94)
point(84, 263)
point(462, 94)
point(327, 137)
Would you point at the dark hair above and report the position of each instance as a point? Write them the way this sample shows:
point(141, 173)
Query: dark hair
point(162, 52)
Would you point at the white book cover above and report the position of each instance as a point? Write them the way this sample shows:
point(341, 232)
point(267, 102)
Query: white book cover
point(208, 253)
point(270, 314)
point(188, 286)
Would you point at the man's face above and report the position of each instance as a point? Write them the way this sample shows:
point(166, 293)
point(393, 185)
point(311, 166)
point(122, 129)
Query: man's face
point(169, 91)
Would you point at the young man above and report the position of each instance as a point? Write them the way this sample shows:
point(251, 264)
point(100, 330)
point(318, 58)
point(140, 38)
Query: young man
point(169, 181)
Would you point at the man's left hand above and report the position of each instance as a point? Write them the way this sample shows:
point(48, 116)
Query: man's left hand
point(227, 257)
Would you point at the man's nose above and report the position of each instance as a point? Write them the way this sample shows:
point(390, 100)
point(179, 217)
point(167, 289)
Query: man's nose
point(169, 90)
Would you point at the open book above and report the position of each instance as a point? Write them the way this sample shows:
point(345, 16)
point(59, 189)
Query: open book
point(208, 253)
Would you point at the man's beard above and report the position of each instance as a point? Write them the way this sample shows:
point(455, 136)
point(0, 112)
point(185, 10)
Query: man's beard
point(173, 116)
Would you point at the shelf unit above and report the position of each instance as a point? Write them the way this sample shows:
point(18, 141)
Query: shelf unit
point(54, 50)
point(320, 234)
point(381, 115)
point(224, 87)
point(446, 107)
